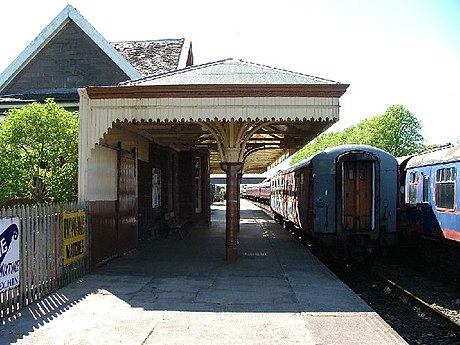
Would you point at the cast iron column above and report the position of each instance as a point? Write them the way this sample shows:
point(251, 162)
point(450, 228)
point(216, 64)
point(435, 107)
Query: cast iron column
point(232, 210)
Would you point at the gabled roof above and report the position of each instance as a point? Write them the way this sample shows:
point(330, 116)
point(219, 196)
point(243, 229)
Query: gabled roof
point(230, 71)
point(156, 56)
point(69, 13)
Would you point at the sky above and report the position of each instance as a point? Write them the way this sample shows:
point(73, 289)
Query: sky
point(390, 52)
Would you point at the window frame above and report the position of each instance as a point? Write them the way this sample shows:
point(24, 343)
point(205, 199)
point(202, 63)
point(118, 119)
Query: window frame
point(445, 187)
point(412, 194)
point(426, 183)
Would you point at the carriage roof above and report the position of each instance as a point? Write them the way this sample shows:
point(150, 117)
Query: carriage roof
point(451, 154)
point(333, 152)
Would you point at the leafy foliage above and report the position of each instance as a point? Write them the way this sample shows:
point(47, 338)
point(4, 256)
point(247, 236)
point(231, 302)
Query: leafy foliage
point(324, 141)
point(397, 131)
point(39, 153)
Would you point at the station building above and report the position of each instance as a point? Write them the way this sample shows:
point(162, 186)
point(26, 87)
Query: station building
point(153, 129)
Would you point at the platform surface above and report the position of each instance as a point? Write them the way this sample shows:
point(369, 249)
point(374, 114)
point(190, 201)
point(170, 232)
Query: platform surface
point(182, 291)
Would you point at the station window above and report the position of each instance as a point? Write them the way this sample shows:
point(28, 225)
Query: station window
point(445, 187)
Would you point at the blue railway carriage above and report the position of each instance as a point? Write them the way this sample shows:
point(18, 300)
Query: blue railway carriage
point(344, 198)
point(431, 194)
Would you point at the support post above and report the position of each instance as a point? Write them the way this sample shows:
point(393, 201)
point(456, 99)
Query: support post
point(232, 210)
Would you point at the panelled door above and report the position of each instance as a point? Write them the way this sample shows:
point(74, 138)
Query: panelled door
point(358, 206)
point(127, 202)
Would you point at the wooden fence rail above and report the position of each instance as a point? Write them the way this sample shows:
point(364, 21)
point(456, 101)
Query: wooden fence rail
point(41, 254)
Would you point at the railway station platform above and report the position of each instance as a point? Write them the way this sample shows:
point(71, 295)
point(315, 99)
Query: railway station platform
point(182, 291)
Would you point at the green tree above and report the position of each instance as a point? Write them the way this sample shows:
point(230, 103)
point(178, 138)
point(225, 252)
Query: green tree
point(397, 131)
point(322, 142)
point(39, 153)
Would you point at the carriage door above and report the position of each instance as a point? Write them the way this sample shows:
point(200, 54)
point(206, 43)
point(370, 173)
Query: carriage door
point(358, 191)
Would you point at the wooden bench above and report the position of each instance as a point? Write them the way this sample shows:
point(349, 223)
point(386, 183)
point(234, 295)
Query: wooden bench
point(175, 225)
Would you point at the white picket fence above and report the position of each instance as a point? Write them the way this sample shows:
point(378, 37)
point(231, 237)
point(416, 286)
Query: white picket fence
point(41, 255)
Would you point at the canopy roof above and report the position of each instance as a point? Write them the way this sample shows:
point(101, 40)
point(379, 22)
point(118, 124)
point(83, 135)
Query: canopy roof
point(238, 110)
point(229, 71)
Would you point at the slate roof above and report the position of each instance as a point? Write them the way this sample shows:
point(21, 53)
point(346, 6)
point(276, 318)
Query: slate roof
point(20, 99)
point(229, 71)
point(135, 58)
point(39, 95)
point(152, 57)
point(9, 102)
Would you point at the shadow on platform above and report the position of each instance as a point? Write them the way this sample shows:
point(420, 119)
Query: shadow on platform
point(273, 274)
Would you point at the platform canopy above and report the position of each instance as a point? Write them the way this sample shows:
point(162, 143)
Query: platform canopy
point(239, 111)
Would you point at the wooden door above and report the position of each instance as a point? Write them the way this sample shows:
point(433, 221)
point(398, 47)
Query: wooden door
point(127, 202)
point(358, 195)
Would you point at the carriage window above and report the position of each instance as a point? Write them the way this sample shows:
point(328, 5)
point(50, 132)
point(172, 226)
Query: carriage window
point(426, 188)
point(362, 174)
point(301, 186)
point(413, 186)
point(445, 187)
point(351, 174)
point(296, 186)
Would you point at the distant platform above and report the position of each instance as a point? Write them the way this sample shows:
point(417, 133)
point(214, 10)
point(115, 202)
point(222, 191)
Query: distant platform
point(220, 179)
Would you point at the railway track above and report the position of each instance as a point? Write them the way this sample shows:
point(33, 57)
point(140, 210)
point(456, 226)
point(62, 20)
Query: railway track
point(423, 310)
point(407, 310)
point(440, 297)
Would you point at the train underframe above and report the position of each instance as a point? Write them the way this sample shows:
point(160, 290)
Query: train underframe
point(357, 247)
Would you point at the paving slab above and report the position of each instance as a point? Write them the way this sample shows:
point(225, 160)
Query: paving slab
point(182, 291)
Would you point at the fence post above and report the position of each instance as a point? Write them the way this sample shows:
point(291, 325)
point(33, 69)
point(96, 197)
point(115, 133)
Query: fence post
point(41, 254)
